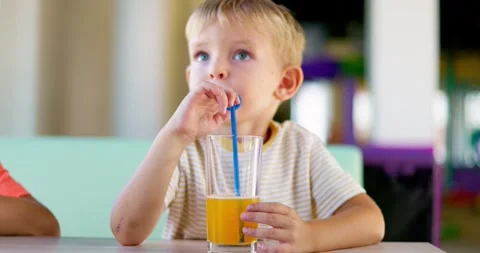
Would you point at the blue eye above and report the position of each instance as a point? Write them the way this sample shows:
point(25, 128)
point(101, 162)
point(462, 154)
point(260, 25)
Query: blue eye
point(242, 56)
point(201, 57)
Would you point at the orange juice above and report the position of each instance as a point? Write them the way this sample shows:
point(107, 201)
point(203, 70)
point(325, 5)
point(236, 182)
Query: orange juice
point(224, 226)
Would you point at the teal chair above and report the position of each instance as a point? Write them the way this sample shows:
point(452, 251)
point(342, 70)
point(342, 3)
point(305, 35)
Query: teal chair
point(79, 178)
point(350, 159)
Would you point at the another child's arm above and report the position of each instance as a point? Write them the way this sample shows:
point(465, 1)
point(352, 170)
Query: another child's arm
point(141, 203)
point(20, 213)
point(26, 217)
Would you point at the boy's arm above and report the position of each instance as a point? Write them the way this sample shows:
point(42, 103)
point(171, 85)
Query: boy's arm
point(358, 222)
point(26, 217)
point(141, 203)
point(348, 217)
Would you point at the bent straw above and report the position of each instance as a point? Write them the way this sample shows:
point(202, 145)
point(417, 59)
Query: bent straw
point(233, 120)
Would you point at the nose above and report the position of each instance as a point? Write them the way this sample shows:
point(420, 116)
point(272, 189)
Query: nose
point(219, 71)
point(219, 75)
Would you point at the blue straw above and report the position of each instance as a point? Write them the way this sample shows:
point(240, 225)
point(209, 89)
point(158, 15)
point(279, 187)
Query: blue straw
point(233, 120)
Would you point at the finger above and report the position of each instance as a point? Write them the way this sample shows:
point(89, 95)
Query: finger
point(268, 233)
point(265, 247)
point(232, 96)
point(270, 207)
point(219, 118)
point(222, 102)
point(272, 219)
point(217, 92)
point(209, 89)
point(225, 116)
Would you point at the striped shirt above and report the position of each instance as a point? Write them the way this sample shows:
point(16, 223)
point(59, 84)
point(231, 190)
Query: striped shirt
point(297, 171)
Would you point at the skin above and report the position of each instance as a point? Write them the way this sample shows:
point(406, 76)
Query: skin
point(26, 217)
point(226, 62)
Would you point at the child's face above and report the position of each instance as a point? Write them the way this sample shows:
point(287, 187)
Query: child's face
point(242, 58)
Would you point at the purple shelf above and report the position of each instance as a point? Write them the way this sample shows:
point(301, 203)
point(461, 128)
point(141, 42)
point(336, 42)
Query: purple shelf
point(467, 179)
point(399, 160)
point(324, 67)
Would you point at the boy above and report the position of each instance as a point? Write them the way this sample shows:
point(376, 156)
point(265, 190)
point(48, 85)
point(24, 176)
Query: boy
point(20, 213)
point(251, 48)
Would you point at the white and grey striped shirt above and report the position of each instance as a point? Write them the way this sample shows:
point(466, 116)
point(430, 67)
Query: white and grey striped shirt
point(297, 171)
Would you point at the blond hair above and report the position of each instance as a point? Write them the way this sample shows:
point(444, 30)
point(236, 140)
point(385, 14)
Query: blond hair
point(287, 34)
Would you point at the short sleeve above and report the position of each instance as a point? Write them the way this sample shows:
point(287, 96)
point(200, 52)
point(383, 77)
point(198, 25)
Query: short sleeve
point(331, 185)
point(9, 187)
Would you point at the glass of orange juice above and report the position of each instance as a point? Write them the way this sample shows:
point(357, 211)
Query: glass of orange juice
point(232, 180)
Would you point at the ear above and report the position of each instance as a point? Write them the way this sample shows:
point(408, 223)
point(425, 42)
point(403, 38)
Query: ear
point(291, 81)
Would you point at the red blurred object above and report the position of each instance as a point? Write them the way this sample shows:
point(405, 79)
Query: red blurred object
point(461, 198)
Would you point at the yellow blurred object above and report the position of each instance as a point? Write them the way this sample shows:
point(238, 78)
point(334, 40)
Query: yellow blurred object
point(466, 67)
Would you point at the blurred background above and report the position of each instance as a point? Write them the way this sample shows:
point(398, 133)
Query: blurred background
point(398, 79)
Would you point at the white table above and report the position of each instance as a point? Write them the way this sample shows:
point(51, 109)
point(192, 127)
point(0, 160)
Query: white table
point(73, 245)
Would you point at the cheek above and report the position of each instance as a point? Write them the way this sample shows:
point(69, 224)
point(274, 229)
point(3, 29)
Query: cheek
point(196, 75)
point(254, 100)
point(257, 87)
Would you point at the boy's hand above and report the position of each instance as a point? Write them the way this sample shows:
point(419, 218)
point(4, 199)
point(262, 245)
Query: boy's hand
point(293, 233)
point(203, 110)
